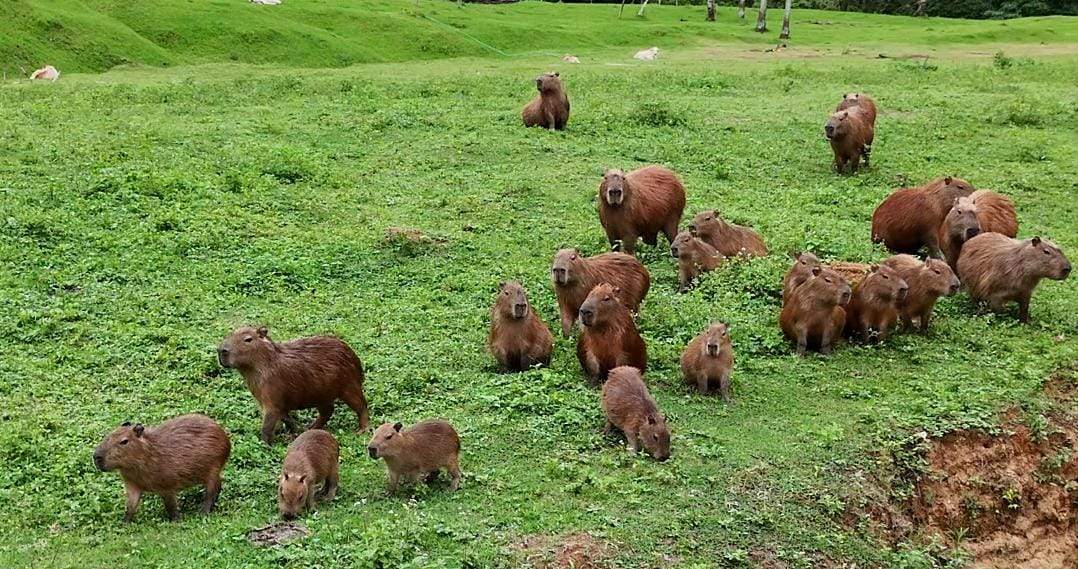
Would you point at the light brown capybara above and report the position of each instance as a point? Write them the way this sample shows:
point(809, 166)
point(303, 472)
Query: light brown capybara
point(551, 108)
point(873, 309)
point(639, 205)
point(998, 270)
point(814, 317)
point(728, 239)
point(850, 133)
point(185, 451)
point(630, 408)
point(995, 213)
point(519, 339)
point(799, 272)
point(610, 338)
point(909, 218)
point(574, 276)
point(420, 450)
point(313, 460)
point(300, 374)
point(708, 360)
point(861, 101)
point(694, 256)
point(928, 280)
point(982, 211)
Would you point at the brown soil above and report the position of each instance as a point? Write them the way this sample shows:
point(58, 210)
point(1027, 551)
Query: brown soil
point(276, 534)
point(575, 550)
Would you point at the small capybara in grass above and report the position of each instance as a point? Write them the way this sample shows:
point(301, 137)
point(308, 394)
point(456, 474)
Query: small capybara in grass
point(909, 218)
point(728, 239)
point(861, 101)
point(420, 450)
point(185, 451)
point(998, 270)
point(300, 374)
point(928, 280)
point(850, 133)
point(551, 108)
point(519, 339)
point(873, 308)
point(630, 408)
point(640, 204)
point(708, 360)
point(799, 272)
point(995, 213)
point(694, 256)
point(610, 338)
point(574, 276)
point(814, 316)
point(313, 459)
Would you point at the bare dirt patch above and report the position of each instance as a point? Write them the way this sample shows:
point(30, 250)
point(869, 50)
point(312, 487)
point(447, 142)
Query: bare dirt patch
point(575, 550)
point(277, 534)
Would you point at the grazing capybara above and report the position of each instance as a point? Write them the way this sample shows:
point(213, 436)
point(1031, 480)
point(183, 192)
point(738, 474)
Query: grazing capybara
point(640, 204)
point(814, 317)
point(728, 239)
point(574, 276)
point(694, 256)
point(300, 374)
point(630, 408)
point(708, 360)
point(313, 459)
point(959, 225)
point(420, 450)
point(185, 451)
point(998, 270)
point(928, 280)
point(861, 101)
point(799, 272)
point(850, 133)
point(873, 309)
point(909, 218)
point(995, 213)
point(551, 108)
point(519, 339)
point(610, 338)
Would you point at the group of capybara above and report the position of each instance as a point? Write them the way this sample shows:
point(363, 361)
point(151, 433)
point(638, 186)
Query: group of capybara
point(968, 235)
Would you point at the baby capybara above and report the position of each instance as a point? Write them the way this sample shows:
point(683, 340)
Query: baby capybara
point(185, 451)
point(928, 280)
point(799, 272)
point(708, 360)
point(420, 450)
point(850, 133)
point(728, 239)
point(814, 316)
point(640, 204)
point(519, 339)
point(610, 338)
point(630, 408)
point(574, 276)
point(998, 270)
point(694, 256)
point(312, 460)
point(300, 374)
point(551, 108)
point(873, 309)
point(861, 101)
point(909, 218)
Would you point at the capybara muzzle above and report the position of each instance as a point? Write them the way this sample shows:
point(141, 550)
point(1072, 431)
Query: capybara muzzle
point(712, 349)
point(587, 317)
point(561, 276)
point(222, 356)
point(373, 452)
point(519, 310)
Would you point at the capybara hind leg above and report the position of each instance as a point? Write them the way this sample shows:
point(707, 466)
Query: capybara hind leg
point(355, 399)
point(670, 230)
point(1023, 306)
point(324, 414)
point(926, 318)
point(634, 443)
point(431, 477)
point(213, 491)
point(134, 494)
point(329, 489)
point(269, 423)
point(454, 470)
point(607, 427)
point(291, 423)
point(651, 239)
point(173, 512)
point(724, 386)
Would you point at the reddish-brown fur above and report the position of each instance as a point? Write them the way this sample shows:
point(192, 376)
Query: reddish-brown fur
point(551, 108)
point(640, 204)
point(909, 218)
point(873, 309)
point(185, 451)
point(420, 450)
point(998, 270)
point(708, 360)
point(849, 132)
point(959, 225)
point(995, 213)
point(728, 239)
point(610, 338)
point(313, 459)
point(860, 101)
point(630, 408)
point(928, 280)
point(813, 317)
point(799, 272)
point(852, 272)
point(519, 339)
point(694, 256)
point(574, 276)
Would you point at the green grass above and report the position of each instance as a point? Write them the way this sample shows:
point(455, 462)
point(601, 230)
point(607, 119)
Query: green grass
point(146, 212)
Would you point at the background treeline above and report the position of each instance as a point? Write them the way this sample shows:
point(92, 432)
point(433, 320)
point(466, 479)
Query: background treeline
point(977, 9)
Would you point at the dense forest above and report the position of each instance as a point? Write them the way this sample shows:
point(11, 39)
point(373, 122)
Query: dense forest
point(976, 9)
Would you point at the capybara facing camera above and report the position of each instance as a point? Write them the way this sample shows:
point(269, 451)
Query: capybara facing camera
point(551, 108)
point(312, 461)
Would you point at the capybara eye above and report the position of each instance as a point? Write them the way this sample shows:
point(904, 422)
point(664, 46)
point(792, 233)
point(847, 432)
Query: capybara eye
point(885, 277)
point(827, 280)
point(390, 436)
point(573, 258)
point(247, 339)
point(937, 271)
point(1047, 251)
point(123, 442)
point(608, 298)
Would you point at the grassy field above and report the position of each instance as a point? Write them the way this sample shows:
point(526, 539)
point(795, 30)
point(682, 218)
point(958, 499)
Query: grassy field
point(148, 211)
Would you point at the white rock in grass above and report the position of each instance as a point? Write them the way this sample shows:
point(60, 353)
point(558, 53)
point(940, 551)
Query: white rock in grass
point(570, 58)
point(47, 73)
point(648, 54)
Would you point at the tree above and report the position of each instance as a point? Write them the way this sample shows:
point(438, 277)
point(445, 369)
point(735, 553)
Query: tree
point(761, 20)
point(711, 10)
point(785, 34)
point(741, 9)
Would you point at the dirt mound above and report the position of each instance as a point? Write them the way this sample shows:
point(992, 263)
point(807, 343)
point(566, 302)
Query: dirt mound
point(575, 550)
point(276, 534)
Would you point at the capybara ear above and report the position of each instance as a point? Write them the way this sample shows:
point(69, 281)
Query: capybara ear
point(398, 426)
point(263, 331)
point(138, 429)
point(816, 271)
point(948, 180)
point(794, 254)
point(501, 285)
point(126, 424)
point(874, 268)
point(845, 114)
point(1036, 241)
point(651, 419)
point(617, 290)
point(286, 476)
point(302, 478)
point(556, 74)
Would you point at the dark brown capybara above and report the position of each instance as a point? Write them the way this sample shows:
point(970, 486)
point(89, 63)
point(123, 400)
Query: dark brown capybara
point(708, 360)
point(420, 450)
point(861, 101)
point(849, 133)
point(519, 339)
point(640, 205)
point(909, 218)
point(873, 309)
point(728, 239)
point(998, 270)
point(694, 256)
point(995, 213)
point(300, 374)
point(574, 276)
point(551, 108)
point(185, 451)
point(928, 280)
point(799, 272)
point(959, 225)
point(814, 317)
point(313, 461)
point(610, 338)
point(630, 408)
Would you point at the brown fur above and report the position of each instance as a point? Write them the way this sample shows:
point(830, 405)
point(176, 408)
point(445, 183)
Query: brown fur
point(995, 213)
point(998, 270)
point(313, 459)
point(185, 451)
point(300, 374)
point(959, 225)
point(630, 408)
point(909, 218)
point(814, 316)
point(551, 108)
point(928, 280)
point(873, 309)
point(420, 450)
point(799, 272)
point(640, 204)
point(694, 256)
point(708, 360)
point(519, 339)
point(861, 101)
point(850, 133)
point(852, 272)
point(574, 276)
point(610, 338)
point(728, 239)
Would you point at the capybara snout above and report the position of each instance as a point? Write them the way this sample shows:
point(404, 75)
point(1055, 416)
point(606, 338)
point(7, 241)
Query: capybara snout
point(373, 451)
point(614, 187)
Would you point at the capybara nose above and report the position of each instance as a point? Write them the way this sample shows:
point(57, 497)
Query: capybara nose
point(902, 292)
point(845, 298)
point(829, 131)
point(1066, 270)
point(373, 452)
point(519, 310)
point(673, 252)
point(955, 287)
point(288, 516)
point(972, 232)
point(692, 228)
point(713, 349)
point(222, 356)
point(663, 458)
point(99, 461)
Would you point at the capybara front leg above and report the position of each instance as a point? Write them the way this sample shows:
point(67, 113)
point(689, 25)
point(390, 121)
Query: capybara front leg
point(634, 442)
point(670, 230)
point(329, 489)
point(134, 494)
point(454, 470)
point(724, 386)
point(1023, 306)
point(567, 319)
point(702, 384)
point(291, 423)
point(213, 491)
point(394, 482)
point(324, 413)
point(802, 340)
point(173, 512)
point(269, 423)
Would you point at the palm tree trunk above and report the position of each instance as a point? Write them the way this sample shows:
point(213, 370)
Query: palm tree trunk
point(785, 35)
point(761, 20)
point(741, 9)
point(711, 10)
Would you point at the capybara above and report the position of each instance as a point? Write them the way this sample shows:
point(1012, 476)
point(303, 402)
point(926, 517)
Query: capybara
point(799, 272)
point(852, 272)
point(849, 132)
point(551, 108)
point(909, 218)
point(630, 408)
point(708, 360)
point(959, 225)
point(640, 204)
point(185, 451)
point(574, 276)
point(313, 460)
point(519, 339)
point(814, 317)
point(928, 280)
point(694, 256)
point(861, 101)
point(995, 213)
point(610, 338)
point(873, 309)
point(998, 270)
point(300, 374)
point(420, 450)
point(728, 239)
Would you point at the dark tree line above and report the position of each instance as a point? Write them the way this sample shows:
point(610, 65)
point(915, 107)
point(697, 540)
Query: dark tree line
point(976, 9)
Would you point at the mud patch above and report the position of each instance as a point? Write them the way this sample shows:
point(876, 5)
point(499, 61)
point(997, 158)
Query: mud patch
point(277, 534)
point(575, 550)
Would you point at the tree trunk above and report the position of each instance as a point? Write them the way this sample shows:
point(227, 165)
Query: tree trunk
point(643, 5)
point(741, 9)
point(785, 35)
point(711, 10)
point(761, 20)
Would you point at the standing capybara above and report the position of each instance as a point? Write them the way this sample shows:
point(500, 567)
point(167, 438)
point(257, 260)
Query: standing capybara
point(610, 338)
point(959, 225)
point(185, 451)
point(928, 280)
point(519, 339)
point(799, 272)
point(694, 256)
point(850, 133)
point(814, 317)
point(873, 309)
point(551, 108)
point(909, 218)
point(728, 239)
point(708, 360)
point(420, 450)
point(630, 408)
point(640, 204)
point(313, 459)
point(997, 269)
point(861, 101)
point(574, 277)
point(301, 374)
point(995, 213)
